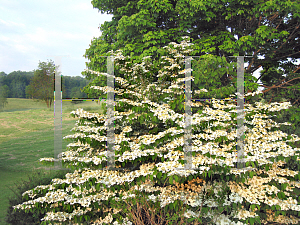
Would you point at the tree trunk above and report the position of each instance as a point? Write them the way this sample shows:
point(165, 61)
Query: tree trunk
point(47, 101)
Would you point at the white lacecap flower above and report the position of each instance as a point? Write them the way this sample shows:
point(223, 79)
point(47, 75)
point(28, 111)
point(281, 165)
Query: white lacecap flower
point(235, 197)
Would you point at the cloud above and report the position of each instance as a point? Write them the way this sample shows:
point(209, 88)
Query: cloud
point(11, 23)
point(7, 26)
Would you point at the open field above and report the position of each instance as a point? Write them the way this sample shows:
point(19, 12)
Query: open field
point(26, 135)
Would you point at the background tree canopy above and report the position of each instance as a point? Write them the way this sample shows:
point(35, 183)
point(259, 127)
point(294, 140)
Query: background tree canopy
point(22, 84)
point(74, 83)
point(4, 90)
point(42, 85)
point(217, 27)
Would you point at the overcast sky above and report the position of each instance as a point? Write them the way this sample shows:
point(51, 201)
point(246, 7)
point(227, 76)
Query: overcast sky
point(34, 30)
point(37, 30)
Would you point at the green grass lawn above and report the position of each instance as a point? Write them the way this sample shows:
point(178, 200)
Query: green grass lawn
point(26, 135)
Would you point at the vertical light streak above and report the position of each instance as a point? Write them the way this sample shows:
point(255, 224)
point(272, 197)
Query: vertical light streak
point(110, 114)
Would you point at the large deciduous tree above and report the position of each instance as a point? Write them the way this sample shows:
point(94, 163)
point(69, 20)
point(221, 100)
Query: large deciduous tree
point(217, 27)
point(41, 87)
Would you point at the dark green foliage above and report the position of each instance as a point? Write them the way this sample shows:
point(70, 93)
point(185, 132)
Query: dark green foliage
point(4, 90)
point(3, 74)
point(73, 87)
point(20, 217)
point(18, 84)
point(217, 28)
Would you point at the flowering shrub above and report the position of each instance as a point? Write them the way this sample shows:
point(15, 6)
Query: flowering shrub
point(149, 147)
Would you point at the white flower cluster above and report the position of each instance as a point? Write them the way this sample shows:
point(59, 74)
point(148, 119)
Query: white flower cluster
point(258, 148)
point(163, 114)
point(63, 216)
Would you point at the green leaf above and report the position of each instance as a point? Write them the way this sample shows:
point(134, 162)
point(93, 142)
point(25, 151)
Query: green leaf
point(151, 177)
point(281, 195)
point(171, 179)
point(267, 167)
point(209, 173)
point(159, 175)
point(191, 220)
point(98, 186)
point(284, 186)
point(251, 174)
point(165, 176)
point(220, 209)
point(172, 206)
point(176, 178)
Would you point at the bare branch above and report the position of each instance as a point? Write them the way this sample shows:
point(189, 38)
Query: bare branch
point(278, 86)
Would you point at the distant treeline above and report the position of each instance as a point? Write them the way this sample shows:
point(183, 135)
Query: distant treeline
point(17, 81)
